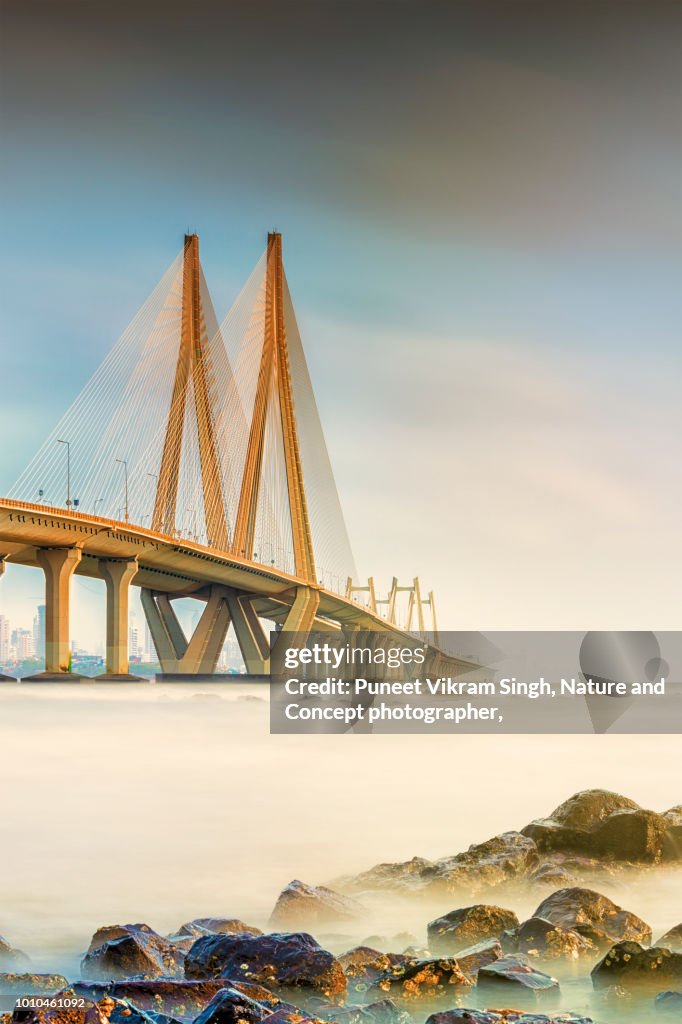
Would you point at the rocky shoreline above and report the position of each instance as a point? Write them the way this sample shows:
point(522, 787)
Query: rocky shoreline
point(478, 963)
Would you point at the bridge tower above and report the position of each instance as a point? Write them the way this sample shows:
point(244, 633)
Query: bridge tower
point(193, 365)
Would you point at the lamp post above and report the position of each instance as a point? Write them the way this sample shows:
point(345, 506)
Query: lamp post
point(68, 470)
point(124, 463)
point(96, 501)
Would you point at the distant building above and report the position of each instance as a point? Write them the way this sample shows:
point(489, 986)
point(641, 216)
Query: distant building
point(4, 638)
point(134, 646)
point(39, 632)
point(22, 641)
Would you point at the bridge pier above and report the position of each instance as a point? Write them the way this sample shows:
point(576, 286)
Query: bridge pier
point(252, 638)
point(59, 565)
point(178, 655)
point(4, 678)
point(118, 574)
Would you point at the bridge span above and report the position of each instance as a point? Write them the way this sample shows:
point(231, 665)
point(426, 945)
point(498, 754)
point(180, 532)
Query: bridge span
point(211, 435)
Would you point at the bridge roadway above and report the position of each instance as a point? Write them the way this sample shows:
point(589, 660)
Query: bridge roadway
point(234, 589)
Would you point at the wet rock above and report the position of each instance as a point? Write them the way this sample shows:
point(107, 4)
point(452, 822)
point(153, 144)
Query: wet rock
point(283, 959)
point(593, 916)
point(469, 925)
point(602, 824)
point(517, 979)
point(116, 931)
point(669, 1003)
point(216, 926)
point(137, 952)
point(364, 965)
point(12, 959)
point(505, 1017)
point(672, 840)
point(471, 960)
point(384, 1011)
point(388, 877)
point(553, 875)
point(672, 939)
point(539, 938)
point(230, 1006)
point(169, 996)
point(31, 984)
point(289, 1015)
point(300, 904)
point(427, 980)
point(633, 967)
point(483, 866)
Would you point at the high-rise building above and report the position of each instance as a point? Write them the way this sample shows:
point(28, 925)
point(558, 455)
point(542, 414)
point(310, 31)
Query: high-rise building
point(134, 647)
point(4, 638)
point(39, 632)
point(23, 644)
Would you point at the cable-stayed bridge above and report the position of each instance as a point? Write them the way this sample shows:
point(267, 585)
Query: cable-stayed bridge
point(193, 464)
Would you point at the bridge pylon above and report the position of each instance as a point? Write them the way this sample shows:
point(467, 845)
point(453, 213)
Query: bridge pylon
point(193, 373)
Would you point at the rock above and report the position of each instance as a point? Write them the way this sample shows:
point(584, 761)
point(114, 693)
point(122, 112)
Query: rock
point(669, 1003)
point(514, 976)
point(602, 824)
point(364, 965)
point(672, 840)
point(289, 1015)
point(553, 875)
point(168, 996)
point(593, 916)
point(471, 960)
point(633, 967)
point(384, 1011)
point(31, 984)
point(215, 926)
point(300, 904)
point(429, 980)
point(506, 1017)
point(483, 866)
point(230, 1006)
point(291, 960)
point(464, 927)
point(138, 951)
point(672, 939)
point(116, 931)
point(12, 959)
point(539, 938)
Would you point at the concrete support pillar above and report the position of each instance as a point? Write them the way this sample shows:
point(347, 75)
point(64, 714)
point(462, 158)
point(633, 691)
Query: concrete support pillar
point(3, 677)
point(251, 637)
point(118, 575)
point(59, 565)
point(177, 655)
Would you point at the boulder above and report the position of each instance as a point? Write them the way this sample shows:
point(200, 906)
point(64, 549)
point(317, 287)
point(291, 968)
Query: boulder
point(384, 1011)
point(137, 952)
point(543, 940)
point(467, 926)
point(505, 1017)
point(672, 840)
point(484, 866)
point(230, 1006)
point(302, 905)
point(290, 960)
point(593, 916)
point(363, 965)
point(631, 966)
point(427, 980)
point(514, 977)
point(31, 984)
point(168, 996)
point(471, 960)
point(12, 959)
point(669, 1003)
point(215, 926)
point(672, 939)
point(602, 824)
point(109, 932)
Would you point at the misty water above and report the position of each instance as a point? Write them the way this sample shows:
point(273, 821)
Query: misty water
point(161, 803)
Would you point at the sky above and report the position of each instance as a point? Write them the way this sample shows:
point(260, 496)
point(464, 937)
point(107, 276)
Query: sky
point(482, 218)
